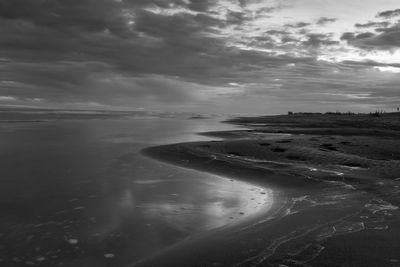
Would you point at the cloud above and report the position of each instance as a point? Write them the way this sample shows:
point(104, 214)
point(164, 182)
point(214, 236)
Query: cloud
point(276, 32)
point(325, 20)
point(389, 14)
point(385, 40)
point(236, 17)
point(351, 36)
point(69, 15)
point(298, 25)
point(318, 40)
point(392, 28)
point(200, 5)
point(370, 41)
point(372, 24)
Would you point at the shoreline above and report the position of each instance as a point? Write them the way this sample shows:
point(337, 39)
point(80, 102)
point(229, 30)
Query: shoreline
point(344, 175)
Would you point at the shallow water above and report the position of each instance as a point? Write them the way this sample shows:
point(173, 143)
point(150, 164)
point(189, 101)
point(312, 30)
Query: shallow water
point(79, 193)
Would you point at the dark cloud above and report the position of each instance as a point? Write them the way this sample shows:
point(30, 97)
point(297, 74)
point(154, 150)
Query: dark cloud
point(194, 5)
point(351, 36)
point(324, 20)
point(266, 10)
point(318, 40)
point(109, 54)
point(236, 17)
point(389, 14)
point(389, 39)
point(264, 39)
point(200, 5)
point(385, 40)
point(172, 27)
point(276, 32)
point(372, 24)
point(393, 28)
point(66, 15)
point(387, 36)
point(298, 25)
point(289, 39)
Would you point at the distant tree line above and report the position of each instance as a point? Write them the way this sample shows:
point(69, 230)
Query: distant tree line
point(320, 113)
point(376, 113)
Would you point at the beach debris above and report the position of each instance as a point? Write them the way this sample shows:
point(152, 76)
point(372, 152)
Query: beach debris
point(109, 255)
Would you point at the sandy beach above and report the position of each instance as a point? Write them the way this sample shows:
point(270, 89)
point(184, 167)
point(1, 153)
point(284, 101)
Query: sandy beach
point(336, 180)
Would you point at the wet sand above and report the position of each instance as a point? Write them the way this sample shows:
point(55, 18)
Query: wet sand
point(336, 180)
point(76, 191)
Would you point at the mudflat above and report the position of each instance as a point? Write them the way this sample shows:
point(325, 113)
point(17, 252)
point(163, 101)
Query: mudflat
point(336, 180)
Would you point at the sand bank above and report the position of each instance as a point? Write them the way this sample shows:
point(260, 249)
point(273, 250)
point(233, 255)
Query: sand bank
point(337, 178)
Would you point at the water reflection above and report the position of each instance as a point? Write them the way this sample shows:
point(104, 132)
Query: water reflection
point(79, 193)
point(203, 204)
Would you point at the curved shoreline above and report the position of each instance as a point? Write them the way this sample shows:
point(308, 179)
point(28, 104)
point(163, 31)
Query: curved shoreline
point(328, 177)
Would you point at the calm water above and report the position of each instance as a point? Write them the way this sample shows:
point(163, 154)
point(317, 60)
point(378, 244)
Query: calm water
point(79, 193)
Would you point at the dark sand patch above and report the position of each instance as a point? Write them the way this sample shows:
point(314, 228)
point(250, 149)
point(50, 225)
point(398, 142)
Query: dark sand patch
point(278, 149)
point(284, 141)
point(296, 157)
point(264, 144)
point(328, 147)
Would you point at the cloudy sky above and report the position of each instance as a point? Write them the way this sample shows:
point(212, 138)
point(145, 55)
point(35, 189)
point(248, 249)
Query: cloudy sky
point(230, 56)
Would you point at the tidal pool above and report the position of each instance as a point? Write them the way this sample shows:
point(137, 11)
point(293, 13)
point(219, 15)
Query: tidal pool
point(79, 193)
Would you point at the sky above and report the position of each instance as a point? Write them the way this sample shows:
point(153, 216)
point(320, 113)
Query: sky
point(205, 56)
